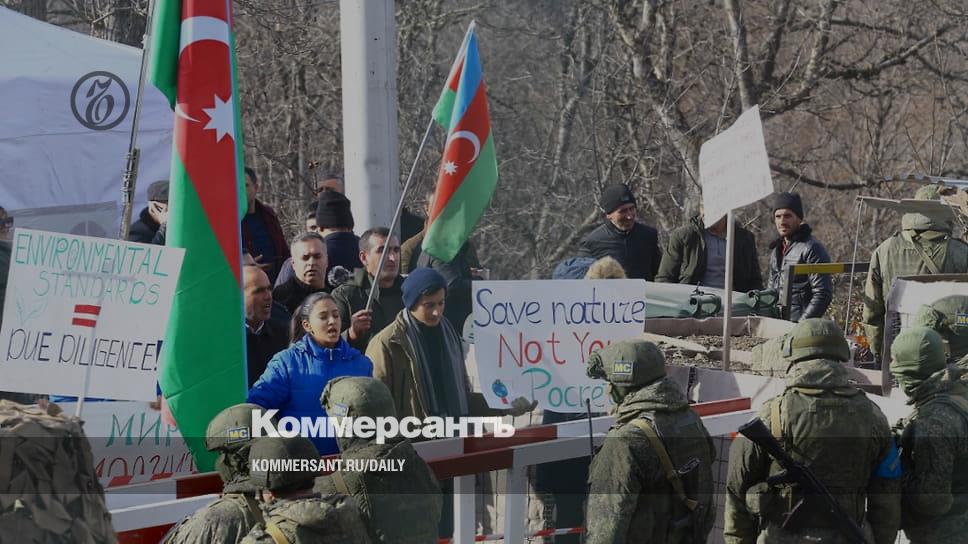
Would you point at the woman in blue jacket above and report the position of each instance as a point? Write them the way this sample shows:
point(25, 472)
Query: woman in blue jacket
point(295, 377)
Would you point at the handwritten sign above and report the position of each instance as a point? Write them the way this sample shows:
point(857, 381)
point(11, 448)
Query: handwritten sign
point(75, 302)
point(533, 338)
point(734, 167)
point(132, 444)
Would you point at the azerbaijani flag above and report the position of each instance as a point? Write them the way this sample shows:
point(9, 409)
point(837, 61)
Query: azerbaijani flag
point(192, 62)
point(468, 168)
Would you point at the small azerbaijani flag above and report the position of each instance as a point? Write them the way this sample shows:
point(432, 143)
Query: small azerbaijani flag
point(203, 364)
point(468, 168)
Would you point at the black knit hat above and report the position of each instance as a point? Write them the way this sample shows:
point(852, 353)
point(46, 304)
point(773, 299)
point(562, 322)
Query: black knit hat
point(788, 201)
point(158, 191)
point(333, 211)
point(615, 196)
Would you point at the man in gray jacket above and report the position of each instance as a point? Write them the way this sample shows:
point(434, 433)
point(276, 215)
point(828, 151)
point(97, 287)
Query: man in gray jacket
point(811, 293)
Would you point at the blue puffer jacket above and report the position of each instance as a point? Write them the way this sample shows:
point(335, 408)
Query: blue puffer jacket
point(295, 378)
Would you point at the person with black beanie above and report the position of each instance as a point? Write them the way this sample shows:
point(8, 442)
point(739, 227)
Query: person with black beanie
point(334, 222)
point(810, 293)
point(634, 245)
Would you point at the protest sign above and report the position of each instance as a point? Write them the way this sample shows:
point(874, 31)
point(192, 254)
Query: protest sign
point(131, 443)
point(533, 338)
point(734, 168)
point(76, 301)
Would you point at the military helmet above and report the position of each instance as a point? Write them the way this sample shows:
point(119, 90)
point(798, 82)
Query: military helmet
point(815, 338)
point(355, 396)
point(297, 448)
point(631, 363)
point(929, 192)
point(230, 428)
point(916, 353)
point(945, 315)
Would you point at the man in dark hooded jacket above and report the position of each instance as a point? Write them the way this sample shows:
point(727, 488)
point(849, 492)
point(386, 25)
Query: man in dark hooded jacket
point(634, 245)
point(811, 293)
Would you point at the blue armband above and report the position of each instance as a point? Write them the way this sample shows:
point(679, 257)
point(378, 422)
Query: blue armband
point(890, 467)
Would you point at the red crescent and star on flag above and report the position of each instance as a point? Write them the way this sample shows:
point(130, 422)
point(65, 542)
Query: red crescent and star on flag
point(205, 130)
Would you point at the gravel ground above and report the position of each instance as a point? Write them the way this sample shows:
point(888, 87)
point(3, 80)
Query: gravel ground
point(676, 356)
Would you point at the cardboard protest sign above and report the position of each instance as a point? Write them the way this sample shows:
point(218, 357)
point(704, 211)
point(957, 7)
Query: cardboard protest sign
point(76, 301)
point(131, 444)
point(533, 338)
point(734, 168)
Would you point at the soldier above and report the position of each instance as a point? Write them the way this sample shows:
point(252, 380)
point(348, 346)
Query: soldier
point(835, 430)
point(398, 507)
point(924, 246)
point(631, 496)
point(948, 317)
point(230, 517)
point(293, 513)
point(934, 440)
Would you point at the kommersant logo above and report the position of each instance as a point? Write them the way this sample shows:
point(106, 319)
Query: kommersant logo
point(380, 428)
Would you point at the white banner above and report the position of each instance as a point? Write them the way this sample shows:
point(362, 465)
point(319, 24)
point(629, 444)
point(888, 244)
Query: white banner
point(131, 443)
point(75, 302)
point(533, 338)
point(734, 167)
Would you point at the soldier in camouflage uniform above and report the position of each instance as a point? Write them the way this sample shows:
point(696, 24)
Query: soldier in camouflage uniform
point(230, 517)
point(924, 246)
point(836, 431)
point(655, 433)
point(934, 440)
point(398, 507)
point(293, 513)
point(948, 317)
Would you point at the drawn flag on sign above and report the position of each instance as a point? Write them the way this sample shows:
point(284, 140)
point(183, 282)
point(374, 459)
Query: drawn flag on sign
point(85, 315)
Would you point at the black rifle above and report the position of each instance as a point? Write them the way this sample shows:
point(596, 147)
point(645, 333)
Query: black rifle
point(796, 472)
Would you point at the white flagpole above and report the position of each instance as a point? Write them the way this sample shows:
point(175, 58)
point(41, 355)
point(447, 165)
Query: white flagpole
point(728, 295)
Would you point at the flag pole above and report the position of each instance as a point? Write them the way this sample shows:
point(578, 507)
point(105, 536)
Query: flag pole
point(133, 156)
point(728, 294)
point(396, 215)
point(374, 288)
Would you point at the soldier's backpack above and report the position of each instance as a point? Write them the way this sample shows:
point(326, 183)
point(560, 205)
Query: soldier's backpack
point(333, 519)
point(49, 492)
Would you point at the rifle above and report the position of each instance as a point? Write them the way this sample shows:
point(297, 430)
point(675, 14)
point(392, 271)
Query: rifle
point(796, 472)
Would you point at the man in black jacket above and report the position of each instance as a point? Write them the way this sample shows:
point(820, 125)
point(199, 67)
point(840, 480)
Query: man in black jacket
point(145, 229)
point(696, 254)
point(263, 337)
point(634, 245)
point(811, 294)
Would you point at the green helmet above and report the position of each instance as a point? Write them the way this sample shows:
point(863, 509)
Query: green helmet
point(939, 220)
point(269, 449)
point(633, 363)
point(357, 396)
point(948, 315)
point(231, 428)
point(815, 338)
point(929, 192)
point(917, 353)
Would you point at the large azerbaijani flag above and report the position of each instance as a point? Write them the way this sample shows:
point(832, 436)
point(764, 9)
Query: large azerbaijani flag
point(468, 168)
point(192, 62)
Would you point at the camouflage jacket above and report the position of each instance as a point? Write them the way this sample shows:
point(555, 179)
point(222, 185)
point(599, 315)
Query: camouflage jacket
point(842, 436)
point(226, 520)
point(934, 445)
point(333, 519)
point(901, 255)
point(630, 499)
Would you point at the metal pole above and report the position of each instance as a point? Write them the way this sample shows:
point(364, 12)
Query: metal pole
point(134, 154)
point(396, 214)
point(728, 295)
point(853, 264)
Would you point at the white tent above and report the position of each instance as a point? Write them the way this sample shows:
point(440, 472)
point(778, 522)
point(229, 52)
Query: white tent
point(66, 104)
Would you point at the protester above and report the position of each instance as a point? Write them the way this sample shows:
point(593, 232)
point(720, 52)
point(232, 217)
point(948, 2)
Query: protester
point(638, 489)
point(295, 377)
point(261, 232)
point(147, 229)
point(934, 439)
point(696, 255)
point(310, 264)
point(330, 181)
point(334, 220)
point(948, 316)
point(360, 324)
point(420, 357)
point(825, 422)
point(810, 294)
point(924, 246)
point(398, 507)
point(634, 245)
point(264, 337)
point(230, 517)
point(293, 513)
